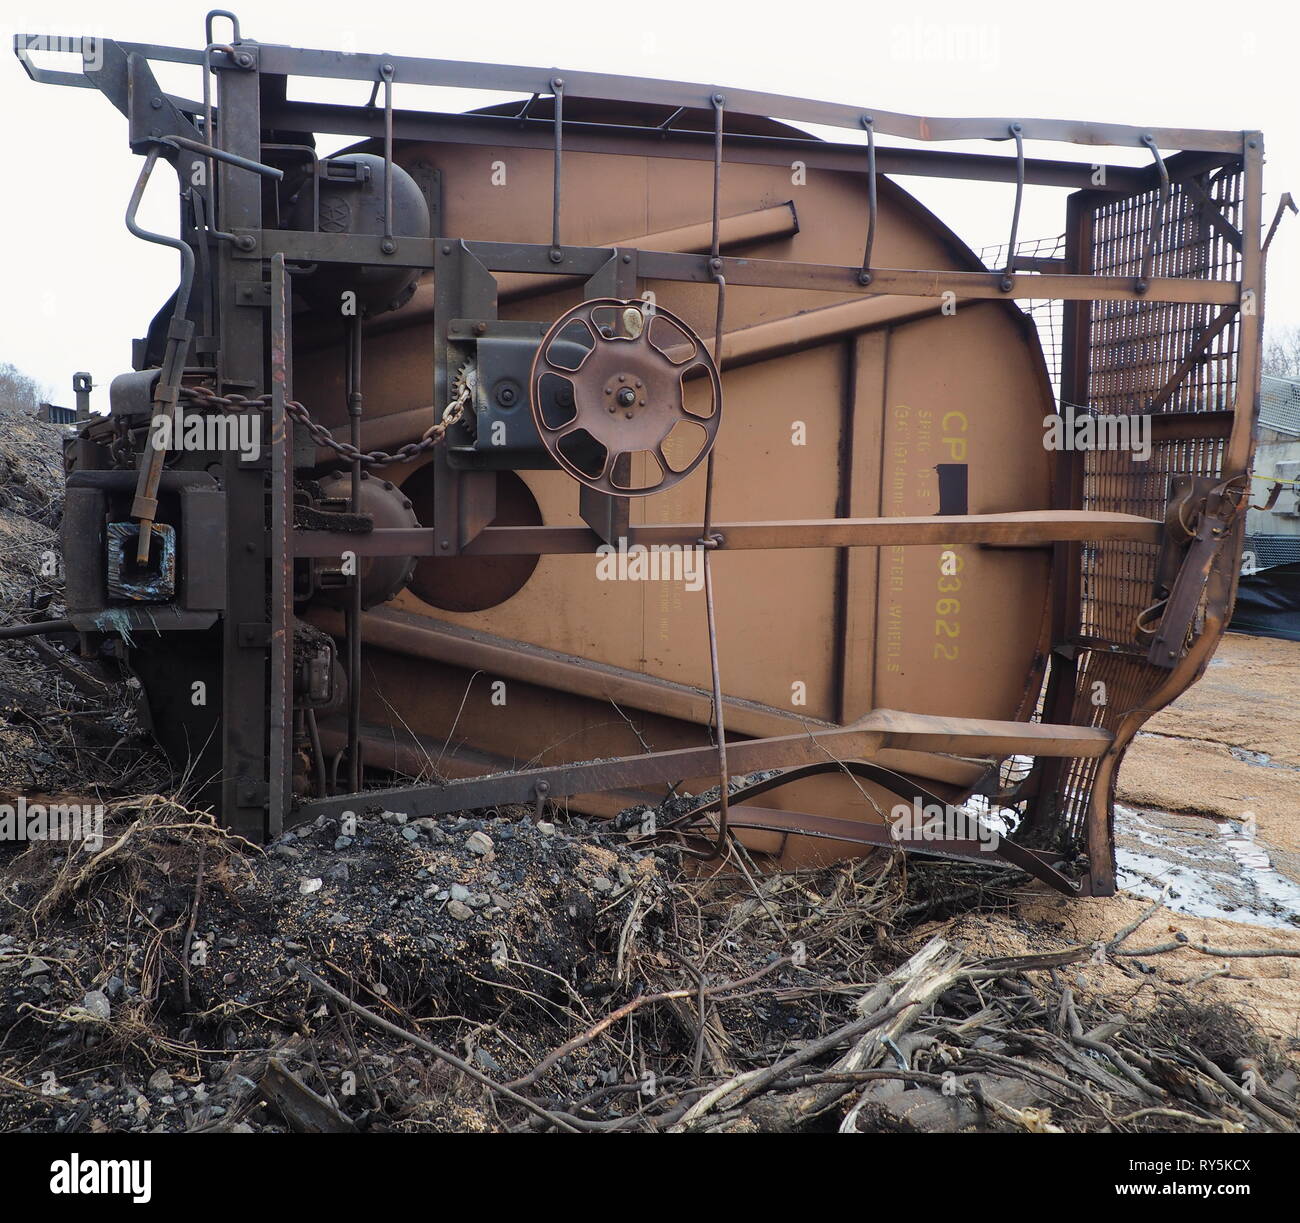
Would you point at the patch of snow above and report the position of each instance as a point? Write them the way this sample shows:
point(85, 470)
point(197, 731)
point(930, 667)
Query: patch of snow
point(1228, 875)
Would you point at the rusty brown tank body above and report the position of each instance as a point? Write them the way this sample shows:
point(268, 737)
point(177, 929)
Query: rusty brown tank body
point(853, 552)
point(837, 406)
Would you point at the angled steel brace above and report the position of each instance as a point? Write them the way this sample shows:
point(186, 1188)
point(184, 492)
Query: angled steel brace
point(881, 728)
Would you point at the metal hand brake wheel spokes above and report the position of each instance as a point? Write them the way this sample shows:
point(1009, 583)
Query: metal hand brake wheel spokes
point(612, 379)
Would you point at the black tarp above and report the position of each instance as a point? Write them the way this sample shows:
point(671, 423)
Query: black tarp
point(1268, 603)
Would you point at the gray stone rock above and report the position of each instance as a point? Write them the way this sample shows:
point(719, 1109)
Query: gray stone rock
point(486, 1061)
point(97, 1003)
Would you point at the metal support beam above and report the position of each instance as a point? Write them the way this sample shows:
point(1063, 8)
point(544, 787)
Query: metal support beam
point(586, 261)
point(458, 74)
point(245, 791)
point(1029, 527)
point(883, 728)
point(280, 704)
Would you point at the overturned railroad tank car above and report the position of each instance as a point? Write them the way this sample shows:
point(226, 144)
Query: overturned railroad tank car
point(626, 437)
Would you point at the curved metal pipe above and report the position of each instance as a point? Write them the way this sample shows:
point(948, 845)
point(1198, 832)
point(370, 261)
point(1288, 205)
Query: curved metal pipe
point(187, 253)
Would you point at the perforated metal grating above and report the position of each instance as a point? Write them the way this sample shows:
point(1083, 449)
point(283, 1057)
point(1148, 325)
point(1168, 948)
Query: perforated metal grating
point(1135, 352)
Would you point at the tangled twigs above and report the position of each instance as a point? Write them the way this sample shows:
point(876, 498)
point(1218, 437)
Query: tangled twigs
point(1250, 1102)
point(702, 992)
point(151, 820)
point(71, 880)
point(562, 1123)
point(1177, 1114)
point(884, 1011)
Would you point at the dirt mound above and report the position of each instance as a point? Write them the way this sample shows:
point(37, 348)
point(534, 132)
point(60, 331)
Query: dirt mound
point(175, 949)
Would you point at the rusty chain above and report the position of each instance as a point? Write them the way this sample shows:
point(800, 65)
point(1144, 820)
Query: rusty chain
point(205, 397)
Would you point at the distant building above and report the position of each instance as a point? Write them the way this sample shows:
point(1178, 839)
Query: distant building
point(55, 414)
point(1273, 535)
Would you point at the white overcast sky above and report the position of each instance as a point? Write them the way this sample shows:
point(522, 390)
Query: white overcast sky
point(78, 286)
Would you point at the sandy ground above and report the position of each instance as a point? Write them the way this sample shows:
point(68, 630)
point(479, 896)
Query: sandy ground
point(1266, 989)
point(1230, 745)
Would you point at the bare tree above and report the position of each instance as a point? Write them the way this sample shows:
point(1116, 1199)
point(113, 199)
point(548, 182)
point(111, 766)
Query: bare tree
point(18, 391)
point(1282, 353)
